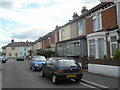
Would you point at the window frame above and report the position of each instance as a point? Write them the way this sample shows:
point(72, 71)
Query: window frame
point(80, 27)
point(113, 42)
point(97, 17)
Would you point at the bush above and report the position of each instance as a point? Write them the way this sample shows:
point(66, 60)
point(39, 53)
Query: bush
point(116, 55)
point(46, 53)
point(105, 57)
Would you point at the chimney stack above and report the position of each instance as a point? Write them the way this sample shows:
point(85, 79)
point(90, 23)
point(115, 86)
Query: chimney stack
point(84, 10)
point(12, 40)
point(75, 15)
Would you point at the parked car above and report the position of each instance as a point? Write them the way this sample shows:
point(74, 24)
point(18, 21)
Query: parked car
point(37, 62)
point(3, 59)
point(20, 58)
point(61, 68)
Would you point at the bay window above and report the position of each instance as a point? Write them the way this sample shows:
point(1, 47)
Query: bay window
point(92, 47)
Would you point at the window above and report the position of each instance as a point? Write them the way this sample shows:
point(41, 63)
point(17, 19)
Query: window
point(25, 49)
point(94, 23)
point(92, 48)
point(80, 27)
point(67, 63)
point(113, 43)
point(62, 34)
point(16, 54)
point(10, 54)
point(97, 21)
point(21, 53)
point(101, 47)
point(12, 48)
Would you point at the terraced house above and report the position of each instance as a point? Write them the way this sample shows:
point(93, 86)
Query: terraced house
point(47, 42)
point(14, 49)
point(103, 29)
point(72, 37)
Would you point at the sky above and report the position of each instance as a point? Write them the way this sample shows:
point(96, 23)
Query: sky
point(24, 20)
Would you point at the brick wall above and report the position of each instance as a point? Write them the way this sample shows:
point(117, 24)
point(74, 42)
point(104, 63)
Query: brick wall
point(89, 25)
point(109, 18)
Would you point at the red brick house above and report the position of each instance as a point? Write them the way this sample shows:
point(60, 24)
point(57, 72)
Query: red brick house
point(102, 29)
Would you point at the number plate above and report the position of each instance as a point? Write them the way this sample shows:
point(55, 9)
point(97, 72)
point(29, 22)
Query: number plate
point(71, 76)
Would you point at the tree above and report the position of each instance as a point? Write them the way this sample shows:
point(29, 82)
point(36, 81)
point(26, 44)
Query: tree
point(30, 52)
point(46, 53)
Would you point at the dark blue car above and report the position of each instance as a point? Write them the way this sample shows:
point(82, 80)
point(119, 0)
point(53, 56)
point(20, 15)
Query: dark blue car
point(37, 62)
point(58, 68)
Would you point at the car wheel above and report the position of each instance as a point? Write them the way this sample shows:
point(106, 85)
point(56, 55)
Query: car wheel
point(77, 80)
point(33, 68)
point(42, 74)
point(54, 79)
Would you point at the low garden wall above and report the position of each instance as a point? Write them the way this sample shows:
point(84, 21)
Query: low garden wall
point(104, 67)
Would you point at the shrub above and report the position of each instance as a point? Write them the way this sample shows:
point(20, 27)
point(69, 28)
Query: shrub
point(46, 53)
point(116, 54)
point(105, 57)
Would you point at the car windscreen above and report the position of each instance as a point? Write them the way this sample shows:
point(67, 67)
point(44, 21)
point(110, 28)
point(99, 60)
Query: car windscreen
point(67, 63)
point(39, 59)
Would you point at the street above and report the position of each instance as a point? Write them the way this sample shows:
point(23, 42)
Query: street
point(17, 74)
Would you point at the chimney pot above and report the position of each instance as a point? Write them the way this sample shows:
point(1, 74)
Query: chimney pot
point(12, 40)
point(75, 15)
point(84, 10)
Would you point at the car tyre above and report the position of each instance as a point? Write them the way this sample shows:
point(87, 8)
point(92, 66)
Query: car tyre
point(30, 67)
point(33, 68)
point(77, 80)
point(54, 79)
point(42, 74)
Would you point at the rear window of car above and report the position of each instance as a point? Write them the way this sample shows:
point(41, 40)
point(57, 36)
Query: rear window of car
point(67, 63)
point(40, 58)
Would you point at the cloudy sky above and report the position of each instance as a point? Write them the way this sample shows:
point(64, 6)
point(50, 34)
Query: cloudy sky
point(23, 20)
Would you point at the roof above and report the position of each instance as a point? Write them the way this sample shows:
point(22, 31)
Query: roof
point(19, 44)
point(101, 5)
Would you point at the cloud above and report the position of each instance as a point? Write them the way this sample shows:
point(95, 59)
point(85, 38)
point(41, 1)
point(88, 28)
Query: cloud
point(4, 38)
point(26, 33)
point(31, 19)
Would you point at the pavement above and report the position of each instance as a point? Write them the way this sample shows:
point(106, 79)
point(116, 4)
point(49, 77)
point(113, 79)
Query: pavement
point(101, 81)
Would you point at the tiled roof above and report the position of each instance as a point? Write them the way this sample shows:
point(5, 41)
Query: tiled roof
point(18, 44)
point(98, 7)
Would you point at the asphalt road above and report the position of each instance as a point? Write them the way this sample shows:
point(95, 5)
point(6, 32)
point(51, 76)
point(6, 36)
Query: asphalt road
point(17, 74)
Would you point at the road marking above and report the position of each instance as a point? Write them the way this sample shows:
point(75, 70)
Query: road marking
point(88, 85)
point(95, 84)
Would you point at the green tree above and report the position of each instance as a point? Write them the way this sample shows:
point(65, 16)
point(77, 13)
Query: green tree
point(46, 53)
point(116, 54)
point(30, 52)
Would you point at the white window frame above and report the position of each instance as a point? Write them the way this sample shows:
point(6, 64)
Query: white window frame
point(97, 25)
point(111, 45)
point(90, 44)
point(97, 36)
